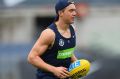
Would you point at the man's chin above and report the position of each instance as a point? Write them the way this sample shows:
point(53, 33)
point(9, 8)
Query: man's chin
point(72, 22)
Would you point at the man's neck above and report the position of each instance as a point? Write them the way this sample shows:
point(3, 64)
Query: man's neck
point(62, 25)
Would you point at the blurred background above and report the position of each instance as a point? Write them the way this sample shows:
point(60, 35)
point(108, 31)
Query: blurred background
point(97, 30)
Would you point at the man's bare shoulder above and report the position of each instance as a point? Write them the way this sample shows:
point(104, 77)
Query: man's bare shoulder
point(47, 35)
point(48, 32)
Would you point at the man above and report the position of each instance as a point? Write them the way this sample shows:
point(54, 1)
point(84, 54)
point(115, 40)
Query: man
point(53, 51)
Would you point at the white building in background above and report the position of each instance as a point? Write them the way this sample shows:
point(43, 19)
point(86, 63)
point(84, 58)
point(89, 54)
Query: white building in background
point(17, 24)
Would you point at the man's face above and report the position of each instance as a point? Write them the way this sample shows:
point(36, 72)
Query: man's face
point(69, 13)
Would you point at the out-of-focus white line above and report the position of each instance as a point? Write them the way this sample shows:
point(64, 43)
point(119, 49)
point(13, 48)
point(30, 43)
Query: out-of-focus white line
point(95, 66)
point(11, 3)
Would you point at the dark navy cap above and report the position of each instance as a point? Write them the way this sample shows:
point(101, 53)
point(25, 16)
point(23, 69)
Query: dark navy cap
point(61, 4)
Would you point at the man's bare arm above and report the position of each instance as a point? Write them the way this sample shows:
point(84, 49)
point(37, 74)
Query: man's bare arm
point(39, 48)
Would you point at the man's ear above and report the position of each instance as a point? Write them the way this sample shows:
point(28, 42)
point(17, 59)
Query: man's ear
point(60, 12)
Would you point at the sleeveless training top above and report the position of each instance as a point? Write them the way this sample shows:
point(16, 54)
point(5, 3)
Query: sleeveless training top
point(62, 49)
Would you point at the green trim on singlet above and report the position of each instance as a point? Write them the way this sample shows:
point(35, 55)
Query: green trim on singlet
point(62, 54)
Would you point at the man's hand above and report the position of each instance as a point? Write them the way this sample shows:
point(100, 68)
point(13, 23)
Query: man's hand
point(61, 72)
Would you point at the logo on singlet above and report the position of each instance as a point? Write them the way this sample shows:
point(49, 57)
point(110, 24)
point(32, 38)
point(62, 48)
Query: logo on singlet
point(61, 42)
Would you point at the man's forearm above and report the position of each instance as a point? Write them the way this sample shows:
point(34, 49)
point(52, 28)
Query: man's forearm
point(73, 58)
point(39, 63)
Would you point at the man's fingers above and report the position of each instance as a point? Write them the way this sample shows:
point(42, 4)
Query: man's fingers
point(65, 71)
point(65, 74)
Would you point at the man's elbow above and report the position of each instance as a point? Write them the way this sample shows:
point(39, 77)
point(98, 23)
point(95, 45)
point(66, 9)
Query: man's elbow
point(30, 59)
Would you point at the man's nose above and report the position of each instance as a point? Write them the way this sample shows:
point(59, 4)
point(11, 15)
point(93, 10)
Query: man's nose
point(74, 13)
